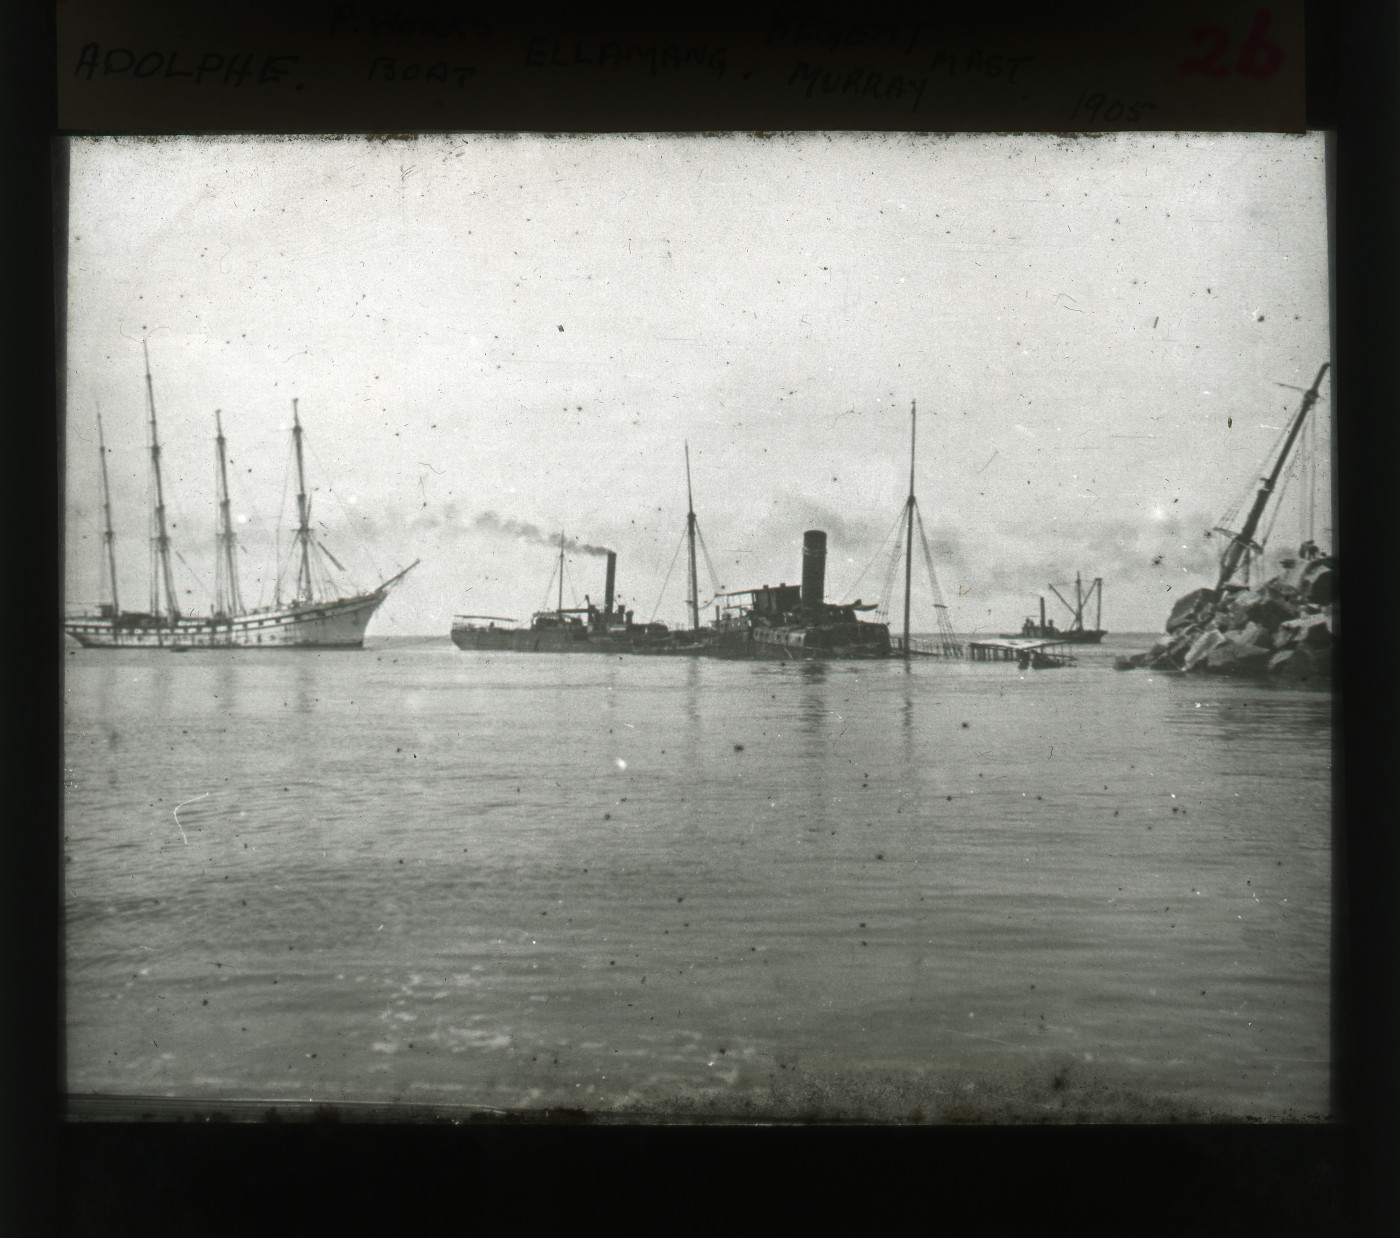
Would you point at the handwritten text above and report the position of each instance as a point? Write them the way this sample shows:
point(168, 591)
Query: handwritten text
point(236, 68)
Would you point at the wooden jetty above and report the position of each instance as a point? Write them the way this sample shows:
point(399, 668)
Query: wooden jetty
point(1036, 654)
point(925, 647)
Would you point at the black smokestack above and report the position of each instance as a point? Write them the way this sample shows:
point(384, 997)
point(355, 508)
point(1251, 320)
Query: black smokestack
point(813, 567)
point(612, 577)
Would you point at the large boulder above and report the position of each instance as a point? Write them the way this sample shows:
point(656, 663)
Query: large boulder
point(1167, 655)
point(1254, 634)
point(1316, 583)
point(1196, 607)
point(1281, 589)
point(1268, 610)
point(1202, 647)
point(1299, 665)
point(1313, 631)
point(1159, 649)
point(1233, 657)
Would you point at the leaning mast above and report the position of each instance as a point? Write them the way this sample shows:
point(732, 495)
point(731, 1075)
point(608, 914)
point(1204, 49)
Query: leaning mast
point(160, 568)
point(1243, 541)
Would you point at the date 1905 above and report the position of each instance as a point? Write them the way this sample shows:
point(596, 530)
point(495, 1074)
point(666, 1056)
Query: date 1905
point(1098, 106)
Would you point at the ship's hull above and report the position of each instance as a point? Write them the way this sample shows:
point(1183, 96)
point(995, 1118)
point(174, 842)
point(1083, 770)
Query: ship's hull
point(526, 640)
point(567, 640)
point(865, 640)
point(1078, 636)
point(327, 625)
point(838, 642)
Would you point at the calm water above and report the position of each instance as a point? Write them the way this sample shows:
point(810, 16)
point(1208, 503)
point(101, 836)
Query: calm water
point(693, 887)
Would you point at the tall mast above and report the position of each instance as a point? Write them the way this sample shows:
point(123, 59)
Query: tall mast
point(1078, 603)
point(690, 533)
point(227, 598)
point(160, 573)
point(1243, 541)
point(108, 537)
point(1098, 603)
point(304, 589)
point(909, 523)
point(561, 572)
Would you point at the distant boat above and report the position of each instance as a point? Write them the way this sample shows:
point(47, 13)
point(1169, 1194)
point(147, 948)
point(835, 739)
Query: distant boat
point(1076, 633)
point(310, 619)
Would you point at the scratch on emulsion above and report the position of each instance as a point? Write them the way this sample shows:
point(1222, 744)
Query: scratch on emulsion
point(175, 812)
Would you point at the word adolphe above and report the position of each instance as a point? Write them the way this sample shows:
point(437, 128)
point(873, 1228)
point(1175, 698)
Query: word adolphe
point(237, 67)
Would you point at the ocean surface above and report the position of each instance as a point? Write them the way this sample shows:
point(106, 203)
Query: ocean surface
point(692, 888)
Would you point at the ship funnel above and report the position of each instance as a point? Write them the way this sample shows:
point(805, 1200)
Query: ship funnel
point(813, 567)
point(612, 577)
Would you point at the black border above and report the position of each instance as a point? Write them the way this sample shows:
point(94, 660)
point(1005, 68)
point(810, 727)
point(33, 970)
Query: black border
point(110, 1179)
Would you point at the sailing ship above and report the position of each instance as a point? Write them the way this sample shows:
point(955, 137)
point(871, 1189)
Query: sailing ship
point(309, 619)
point(1076, 633)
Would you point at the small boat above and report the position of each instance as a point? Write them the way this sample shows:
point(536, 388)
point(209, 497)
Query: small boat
point(310, 619)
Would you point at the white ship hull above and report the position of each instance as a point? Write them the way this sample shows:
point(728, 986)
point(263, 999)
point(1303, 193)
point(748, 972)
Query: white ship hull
point(339, 624)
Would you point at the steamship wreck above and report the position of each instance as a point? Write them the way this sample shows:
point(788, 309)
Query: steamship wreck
point(311, 619)
point(573, 629)
point(792, 622)
point(786, 621)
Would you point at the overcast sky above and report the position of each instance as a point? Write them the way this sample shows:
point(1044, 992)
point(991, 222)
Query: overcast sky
point(486, 333)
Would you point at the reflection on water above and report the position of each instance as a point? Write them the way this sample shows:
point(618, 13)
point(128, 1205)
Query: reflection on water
point(647, 885)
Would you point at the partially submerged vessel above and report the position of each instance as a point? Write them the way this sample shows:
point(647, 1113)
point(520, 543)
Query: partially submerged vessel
point(613, 629)
point(610, 628)
point(1283, 627)
point(786, 622)
point(312, 618)
point(791, 621)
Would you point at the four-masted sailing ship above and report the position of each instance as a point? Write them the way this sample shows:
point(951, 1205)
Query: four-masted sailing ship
point(309, 619)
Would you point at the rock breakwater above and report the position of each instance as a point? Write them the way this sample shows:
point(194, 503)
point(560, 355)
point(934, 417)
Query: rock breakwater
point(1285, 628)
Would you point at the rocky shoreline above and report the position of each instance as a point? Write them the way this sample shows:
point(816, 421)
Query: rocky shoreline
point(1285, 628)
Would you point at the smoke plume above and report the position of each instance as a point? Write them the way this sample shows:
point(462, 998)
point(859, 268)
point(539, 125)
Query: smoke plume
point(524, 532)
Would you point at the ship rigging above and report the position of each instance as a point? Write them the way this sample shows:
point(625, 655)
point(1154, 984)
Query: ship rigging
point(313, 618)
point(945, 642)
point(1239, 554)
